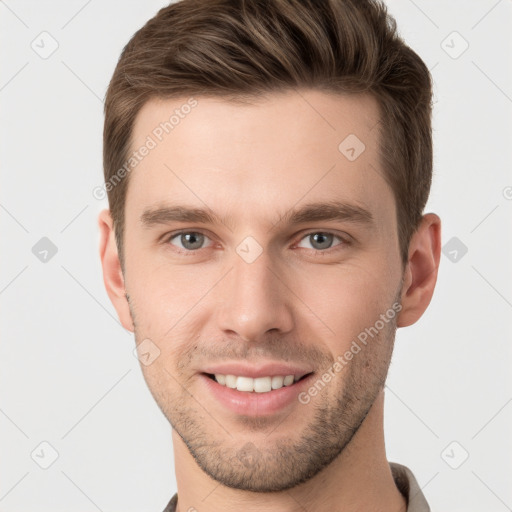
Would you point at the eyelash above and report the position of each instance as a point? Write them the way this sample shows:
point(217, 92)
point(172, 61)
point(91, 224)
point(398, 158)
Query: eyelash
point(343, 241)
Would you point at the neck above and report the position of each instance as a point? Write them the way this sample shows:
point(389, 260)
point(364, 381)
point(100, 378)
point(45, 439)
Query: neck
point(359, 478)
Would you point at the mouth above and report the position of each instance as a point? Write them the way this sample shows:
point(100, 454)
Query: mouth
point(264, 384)
point(265, 395)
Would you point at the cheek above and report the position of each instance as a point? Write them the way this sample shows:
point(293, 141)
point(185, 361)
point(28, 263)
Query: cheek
point(167, 303)
point(346, 299)
point(164, 292)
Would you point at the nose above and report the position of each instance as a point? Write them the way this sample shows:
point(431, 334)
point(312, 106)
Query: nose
point(254, 300)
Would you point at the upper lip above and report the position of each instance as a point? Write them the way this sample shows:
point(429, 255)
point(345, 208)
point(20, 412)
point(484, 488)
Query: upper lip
point(264, 370)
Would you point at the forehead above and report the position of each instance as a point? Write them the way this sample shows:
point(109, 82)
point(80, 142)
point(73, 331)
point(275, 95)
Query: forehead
point(258, 158)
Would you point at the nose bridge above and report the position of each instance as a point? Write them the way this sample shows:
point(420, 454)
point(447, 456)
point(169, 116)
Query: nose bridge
point(254, 299)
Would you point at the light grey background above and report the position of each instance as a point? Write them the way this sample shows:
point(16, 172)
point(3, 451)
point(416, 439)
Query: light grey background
point(68, 376)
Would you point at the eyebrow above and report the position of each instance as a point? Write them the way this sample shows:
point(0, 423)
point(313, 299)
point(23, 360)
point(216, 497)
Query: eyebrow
point(328, 211)
point(181, 213)
point(312, 212)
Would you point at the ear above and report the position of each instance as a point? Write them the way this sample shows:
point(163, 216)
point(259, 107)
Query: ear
point(112, 273)
point(420, 275)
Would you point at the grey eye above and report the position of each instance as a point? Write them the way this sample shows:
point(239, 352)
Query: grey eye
point(190, 241)
point(319, 240)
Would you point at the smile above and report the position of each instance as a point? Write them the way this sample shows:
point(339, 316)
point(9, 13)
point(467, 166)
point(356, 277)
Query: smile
point(258, 396)
point(256, 385)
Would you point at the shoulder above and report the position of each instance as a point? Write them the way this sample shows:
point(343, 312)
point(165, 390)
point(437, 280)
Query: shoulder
point(171, 506)
point(408, 485)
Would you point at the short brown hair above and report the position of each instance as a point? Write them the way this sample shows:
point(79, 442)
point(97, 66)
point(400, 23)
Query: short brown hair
point(247, 48)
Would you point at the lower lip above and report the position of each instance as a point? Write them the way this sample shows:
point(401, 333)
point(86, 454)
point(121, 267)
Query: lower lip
point(256, 404)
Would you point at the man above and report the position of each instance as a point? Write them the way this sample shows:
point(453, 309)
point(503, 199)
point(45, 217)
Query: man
point(267, 164)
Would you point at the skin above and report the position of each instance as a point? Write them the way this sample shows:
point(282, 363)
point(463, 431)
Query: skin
point(298, 301)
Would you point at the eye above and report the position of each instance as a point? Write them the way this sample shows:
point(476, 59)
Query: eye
point(320, 240)
point(188, 240)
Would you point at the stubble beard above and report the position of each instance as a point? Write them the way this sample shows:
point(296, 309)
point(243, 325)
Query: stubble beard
point(277, 461)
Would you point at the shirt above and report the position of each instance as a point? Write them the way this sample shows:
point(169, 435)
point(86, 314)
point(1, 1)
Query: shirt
point(404, 480)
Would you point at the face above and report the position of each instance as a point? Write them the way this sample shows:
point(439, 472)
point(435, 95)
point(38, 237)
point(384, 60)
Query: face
point(258, 247)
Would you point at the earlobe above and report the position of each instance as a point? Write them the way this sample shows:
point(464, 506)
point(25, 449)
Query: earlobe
point(421, 271)
point(113, 278)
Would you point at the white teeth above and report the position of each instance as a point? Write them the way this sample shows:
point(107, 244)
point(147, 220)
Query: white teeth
point(277, 382)
point(262, 384)
point(244, 384)
point(258, 385)
point(230, 381)
point(288, 380)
